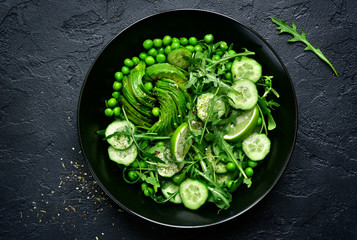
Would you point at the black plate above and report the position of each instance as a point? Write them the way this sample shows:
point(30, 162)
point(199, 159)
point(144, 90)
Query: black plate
point(98, 87)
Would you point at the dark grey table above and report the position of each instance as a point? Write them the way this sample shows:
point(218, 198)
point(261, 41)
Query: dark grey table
point(47, 191)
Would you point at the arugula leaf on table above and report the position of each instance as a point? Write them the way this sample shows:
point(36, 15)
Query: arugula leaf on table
point(284, 28)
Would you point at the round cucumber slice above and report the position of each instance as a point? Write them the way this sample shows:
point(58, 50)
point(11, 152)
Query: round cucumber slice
point(121, 142)
point(256, 146)
point(246, 68)
point(125, 157)
point(246, 95)
point(193, 193)
point(179, 145)
point(243, 125)
point(203, 105)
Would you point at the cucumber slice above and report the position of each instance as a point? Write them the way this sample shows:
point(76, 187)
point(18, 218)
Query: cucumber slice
point(170, 189)
point(246, 95)
point(172, 167)
point(193, 193)
point(121, 142)
point(204, 103)
point(246, 68)
point(125, 157)
point(256, 146)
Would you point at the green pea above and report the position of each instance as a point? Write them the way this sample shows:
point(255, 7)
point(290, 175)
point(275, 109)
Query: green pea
point(143, 55)
point(143, 164)
point(125, 70)
point(193, 41)
point(178, 178)
point(144, 186)
point(229, 66)
point(198, 48)
point(148, 191)
point(231, 166)
point(157, 42)
point(160, 58)
point(223, 45)
point(228, 75)
point(183, 41)
point(168, 49)
point(220, 53)
point(149, 60)
point(108, 112)
point(232, 51)
point(156, 111)
point(152, 52)
point(160, 144)
point(132, 175)
point(148, 43)
point(175, 45)
point(216, 58)
point(249, 171)
point(112, 102)
point(167, 40)
point(148, 86)
point(190, 48)
point(244, 164)
point(175, 40)
point(117, 86)
point(252, 164)
point(118, 76)
point(128, 62)
point(208, 38)
point(116, 111)
point(161, 50)
point(115, 94)
point(259, 121)
point(135, 164)
point(135, 60)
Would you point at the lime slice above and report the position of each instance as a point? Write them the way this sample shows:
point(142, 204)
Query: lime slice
point(179, 145)
point(243, 125)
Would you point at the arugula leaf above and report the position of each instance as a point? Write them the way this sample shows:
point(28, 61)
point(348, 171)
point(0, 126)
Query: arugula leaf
point(284, 28)
point(264, 108)
point(151, 180)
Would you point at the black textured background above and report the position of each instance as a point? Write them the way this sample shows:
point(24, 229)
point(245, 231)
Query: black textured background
point(46, 189)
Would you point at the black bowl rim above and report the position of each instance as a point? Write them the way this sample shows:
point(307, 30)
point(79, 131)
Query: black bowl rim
point(251, 205)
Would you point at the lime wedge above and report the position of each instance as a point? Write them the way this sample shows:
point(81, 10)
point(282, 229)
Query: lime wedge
point(179, 145)
point(243, 126)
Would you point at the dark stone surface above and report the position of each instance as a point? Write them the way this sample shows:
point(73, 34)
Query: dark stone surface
point(47, 191)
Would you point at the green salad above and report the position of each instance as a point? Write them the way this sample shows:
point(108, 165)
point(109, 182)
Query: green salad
point(190, 120)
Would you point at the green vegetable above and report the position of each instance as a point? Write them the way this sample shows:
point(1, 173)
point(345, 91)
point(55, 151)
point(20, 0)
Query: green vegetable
point(284, 28)
point(156, 111)
point(148, 43)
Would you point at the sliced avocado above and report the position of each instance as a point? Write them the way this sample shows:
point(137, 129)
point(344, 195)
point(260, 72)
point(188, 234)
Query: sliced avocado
point(134, 115)
point(168, 112)
point(180, 58)
point(177, 95)
point(129, 96)
point(137, 86)
point(165, 70)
